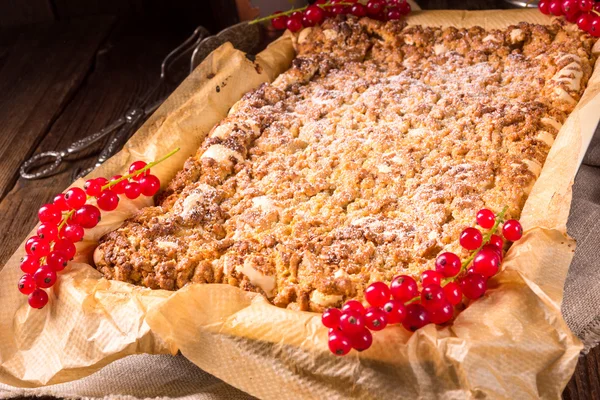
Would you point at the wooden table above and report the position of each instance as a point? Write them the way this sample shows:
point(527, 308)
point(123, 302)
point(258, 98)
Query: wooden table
point(62, 81)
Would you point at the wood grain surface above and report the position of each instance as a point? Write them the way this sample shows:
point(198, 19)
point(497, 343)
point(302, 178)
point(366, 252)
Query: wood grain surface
point(61, 81)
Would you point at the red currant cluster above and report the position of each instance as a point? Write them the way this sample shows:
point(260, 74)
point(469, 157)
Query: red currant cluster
point(64, 221)
point(441, 290)
point(296, 19)
point(586, 13)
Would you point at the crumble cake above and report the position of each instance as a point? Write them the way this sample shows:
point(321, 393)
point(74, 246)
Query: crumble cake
point(362, 162)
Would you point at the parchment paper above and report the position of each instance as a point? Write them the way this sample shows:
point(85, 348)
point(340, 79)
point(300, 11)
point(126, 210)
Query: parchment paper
point(513, 343)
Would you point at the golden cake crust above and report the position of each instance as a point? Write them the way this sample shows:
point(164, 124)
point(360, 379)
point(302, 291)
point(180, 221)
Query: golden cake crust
point(362, 162)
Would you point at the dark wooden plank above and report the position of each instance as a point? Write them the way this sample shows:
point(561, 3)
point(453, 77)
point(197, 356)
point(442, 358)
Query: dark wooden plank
point(74, 8)
point(39, 73)
point(19, 12)
point(126, 67)
point(585, 383)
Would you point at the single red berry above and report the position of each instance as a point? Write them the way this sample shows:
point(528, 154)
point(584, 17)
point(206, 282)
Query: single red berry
point(544, 6)
point(75, 197)
point(92, 187)
point(376, 319)
point(453, 293)
point(404, 288)
point(297, 15)
point(395, 311)
point(430, 277)
point(597, 6)
point(118, 188)
point(150, 185)
point(314, 14)
point(49, 213)
point(491, 247)
point(377, 294)
point(448, 264)
point(584, 22)
point(26, 284)
point(570, 6)
point(486, 218)
point(442, 314)
point(30, 264)
point(512, 230)
point(136, 166)
point(279, 23)
point(358, 10)
point(44, 277)
point(294, 24)
point(352, 322)
point(306, 22)
point(108, 200)
point(362, 340)
point(486, 263)
point(353, 305)
point(339, 344)
point(133, 190)
point(471, 238)
point(87, 216)
point(497, 241)
point(586, 5)
point(72, 232)
point(57, 260)
point(393, 14)
point(573, 16)
point(65, 246)
point(404, 8)
point(433, 297)
point(102, 181)
point(30, 242)
point(61, 202)
point(473, 286)
point(38, 298)
point(47, 231)
point(374, 7)
point(555, 7)
point(338, 10)
point(416, 317)
point(39, 248)
point(595, 25)
point(331, 317)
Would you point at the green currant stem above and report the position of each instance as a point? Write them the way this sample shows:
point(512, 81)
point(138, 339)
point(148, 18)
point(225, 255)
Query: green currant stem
point(293, 10)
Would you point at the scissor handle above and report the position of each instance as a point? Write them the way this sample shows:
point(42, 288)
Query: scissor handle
point(48, 171)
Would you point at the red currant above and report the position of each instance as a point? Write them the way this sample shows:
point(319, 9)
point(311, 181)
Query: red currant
point(337, 10)
point(375, 318)
point(65, 246)
point(570, 6)
point(486, 218)
point(87, 216)
point(49, 213)
point(448, 264)
point(108, 200)
point(358, 10)
point(471, 238)
point(404, 288)
point(573, 16)
point(395, 311)
point(555, 7)
point(473, 286)
point(377, 294)
point(75, 197)
point(331, 317)
point(102, 181)
point(586, 5)
point(150, 185)
point(486, 263)
point(61, 202)
point(491, 247)
point(293, 24)
point(306, 22)
point(393, 14)
point(136, 166)
point(597, 6)
point(26, 284)
point(39, 248)
point(57, 260)
point(442, 314)
point(92, 187)
point(431, 277)
point(433, 297)
point(314, 14)
point(374, 7)
point(133, 190)
point(544, 6)
point(512, 230)
point(353, 305)
point(279, 23)
point(584, 22)
point(73, 232)
point(352, 322)
point(404, 8)
point(38, 298)
point(30, 242)
point(44, 277)
point(118, 188)
point(362, 340)
point(339, 344)
point(47, 231)
point(30, 264)
point(453, 293)
point(595, 25)
point(416, 317)
point(497, 241)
